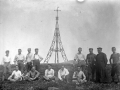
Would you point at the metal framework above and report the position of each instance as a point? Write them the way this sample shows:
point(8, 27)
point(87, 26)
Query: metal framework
point(56, 45)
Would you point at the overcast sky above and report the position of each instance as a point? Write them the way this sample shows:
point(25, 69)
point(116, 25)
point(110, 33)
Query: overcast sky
point(31, 24)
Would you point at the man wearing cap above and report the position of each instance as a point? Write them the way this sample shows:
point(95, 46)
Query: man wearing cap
point(80, 58)
point(115, 61)
point(91, 59)
point(29, 58)
point(20, 60)
point(6, 62)
point(36, 60)
point(101, 62)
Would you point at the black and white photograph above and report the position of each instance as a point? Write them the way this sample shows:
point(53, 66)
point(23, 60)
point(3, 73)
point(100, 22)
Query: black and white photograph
point(59, 44)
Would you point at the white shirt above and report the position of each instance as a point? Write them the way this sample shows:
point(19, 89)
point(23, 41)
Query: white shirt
point(37, 56)
point(6, 58)
point(62, 72)
point(79, 57)
point(16, 74)
point(49, 73)
point(79, 74)
point(29, 57)
point(19, 57)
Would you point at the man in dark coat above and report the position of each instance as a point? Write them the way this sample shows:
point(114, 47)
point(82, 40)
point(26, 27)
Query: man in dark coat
point(101, 62)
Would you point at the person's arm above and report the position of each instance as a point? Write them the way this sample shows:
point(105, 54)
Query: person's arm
point(15, 59)
point(46, 72)
point(66, 72)
point(37, 74)
point(105, 59)
point(59, 75)
point(87, 60)
point(40, 58)
point(84, 77)
point(74, 75)
point(53, 72)
point(11, 75)
point(76, 58)
point(110, 59)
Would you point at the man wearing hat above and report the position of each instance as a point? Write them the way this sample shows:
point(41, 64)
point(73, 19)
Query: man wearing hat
point(101, 62)
point(37, 59)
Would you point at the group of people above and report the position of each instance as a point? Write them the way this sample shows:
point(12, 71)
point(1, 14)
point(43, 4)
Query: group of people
point(96, 64)
point(96, 67)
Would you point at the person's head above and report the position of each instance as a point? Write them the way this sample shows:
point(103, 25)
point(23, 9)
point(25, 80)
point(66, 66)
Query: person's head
point(33, 68)
point(99, 50)
point(49, 67)
point(7, 52)
point(36, 50)
point(19, 51)
point(79, 49)
point(62, 68)
point(79, 68)
point(113, 49)
point(29, 50)
point(16, 67)
point(91, 50)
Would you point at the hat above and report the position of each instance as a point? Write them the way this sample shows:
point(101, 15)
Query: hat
point(99, 48)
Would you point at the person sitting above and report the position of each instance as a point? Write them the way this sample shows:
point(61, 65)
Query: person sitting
point(49, 74)
point(79, 76)
point(63, 74)
point(32, 75)
point(16, 75)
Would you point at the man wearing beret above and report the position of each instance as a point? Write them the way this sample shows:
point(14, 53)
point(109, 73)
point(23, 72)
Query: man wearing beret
point(101, 62)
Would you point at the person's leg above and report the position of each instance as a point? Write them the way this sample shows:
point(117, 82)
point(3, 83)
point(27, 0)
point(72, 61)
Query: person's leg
point(67, 78)
point(9, 68)
point(4, 72)
point(113, 72)
point(98, 72)
point(38, 65)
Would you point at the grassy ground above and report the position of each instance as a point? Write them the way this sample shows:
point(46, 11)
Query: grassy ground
point(42, 85)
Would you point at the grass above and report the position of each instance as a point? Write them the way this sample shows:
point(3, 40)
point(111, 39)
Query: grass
point(42, 85)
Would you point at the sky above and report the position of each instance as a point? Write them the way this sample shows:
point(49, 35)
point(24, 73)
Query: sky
point(31, 24)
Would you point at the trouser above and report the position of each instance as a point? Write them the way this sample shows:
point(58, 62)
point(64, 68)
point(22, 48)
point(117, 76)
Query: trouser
point(91, 72)
point(82, 64)
point(7, 68)
point(36, 63)
point(49, 79)
point(100, 73)
point(66, 78)
point(115, 70)
point(28, 66)
point(21, 65)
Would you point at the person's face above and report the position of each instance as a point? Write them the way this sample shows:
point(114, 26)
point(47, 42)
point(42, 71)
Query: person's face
point(36, 51)
point(29, 50)
point(33, 69)
point(113, 49)
point(80, 50)
point(62, 68)
point(7, 52)
point(19, 51)
point(91, 50)
point(17, 68)
point(99, 50)
point(49, 67)
point(79, 69)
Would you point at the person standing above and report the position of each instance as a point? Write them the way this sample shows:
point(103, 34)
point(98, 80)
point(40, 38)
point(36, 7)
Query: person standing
point(6, 62)
point(91, 60)
point(29, 58)
point(101, 62)
point(80, 58)
point(114, 61)
point(36, 60)
point(20, 60)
